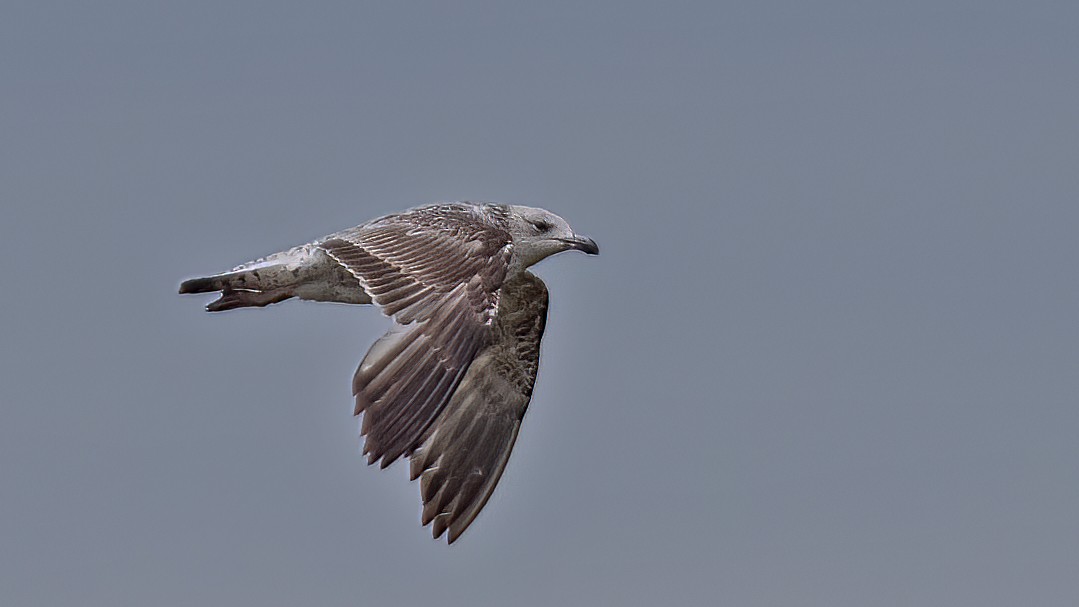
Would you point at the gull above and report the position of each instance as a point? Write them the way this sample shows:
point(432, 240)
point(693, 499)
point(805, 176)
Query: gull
point(448, 385)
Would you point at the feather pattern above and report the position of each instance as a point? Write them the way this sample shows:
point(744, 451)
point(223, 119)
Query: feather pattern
point(465, 451)
point(437, 271)
point(448, 385)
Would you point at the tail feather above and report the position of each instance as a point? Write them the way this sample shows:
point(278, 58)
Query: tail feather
point(231, 300)
point(208, 284)
point(258, 279)
point(244, 288)
point(305, 272)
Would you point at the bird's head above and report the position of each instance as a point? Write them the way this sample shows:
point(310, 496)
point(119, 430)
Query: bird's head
point(538, 234)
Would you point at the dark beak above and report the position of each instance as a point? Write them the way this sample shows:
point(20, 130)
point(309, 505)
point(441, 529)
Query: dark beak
point(582, 243)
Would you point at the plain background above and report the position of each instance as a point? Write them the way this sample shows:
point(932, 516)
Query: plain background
point(829, 355)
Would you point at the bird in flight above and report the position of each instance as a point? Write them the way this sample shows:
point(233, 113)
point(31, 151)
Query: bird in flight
point(448, 384)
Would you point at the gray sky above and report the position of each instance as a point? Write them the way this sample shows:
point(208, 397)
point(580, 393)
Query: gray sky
point(828, 357)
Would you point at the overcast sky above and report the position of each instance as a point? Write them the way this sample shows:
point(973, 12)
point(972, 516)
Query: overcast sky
point(829, 355)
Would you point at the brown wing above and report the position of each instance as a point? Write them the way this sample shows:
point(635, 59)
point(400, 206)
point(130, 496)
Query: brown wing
point(466, 450)
point(436, 271)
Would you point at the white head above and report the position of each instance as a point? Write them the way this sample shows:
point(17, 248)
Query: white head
point(538, 234)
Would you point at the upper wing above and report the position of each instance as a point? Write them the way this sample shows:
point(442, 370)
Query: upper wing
point(466, 450)
point(437, 271)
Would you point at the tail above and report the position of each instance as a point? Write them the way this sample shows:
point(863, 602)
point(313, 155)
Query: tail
point(257, 283)
point(240, 289)
point(305, 272)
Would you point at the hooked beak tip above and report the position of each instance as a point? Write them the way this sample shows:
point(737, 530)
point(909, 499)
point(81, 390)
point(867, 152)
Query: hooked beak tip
point(585, 244)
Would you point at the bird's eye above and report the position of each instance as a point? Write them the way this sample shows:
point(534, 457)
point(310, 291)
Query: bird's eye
point(541, 225)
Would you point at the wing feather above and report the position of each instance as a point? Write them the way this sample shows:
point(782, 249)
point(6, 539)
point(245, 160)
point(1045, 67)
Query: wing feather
point(466, 450)
point(437, 271)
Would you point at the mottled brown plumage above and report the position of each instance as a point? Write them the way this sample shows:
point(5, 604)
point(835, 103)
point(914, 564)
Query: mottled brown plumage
point(484, 414)
point(449, 384)
point(437, 272)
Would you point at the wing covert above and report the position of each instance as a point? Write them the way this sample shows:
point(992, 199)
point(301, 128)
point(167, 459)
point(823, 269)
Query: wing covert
point(437, 271)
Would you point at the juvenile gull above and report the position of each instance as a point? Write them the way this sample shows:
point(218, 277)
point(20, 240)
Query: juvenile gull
point(448, 385)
